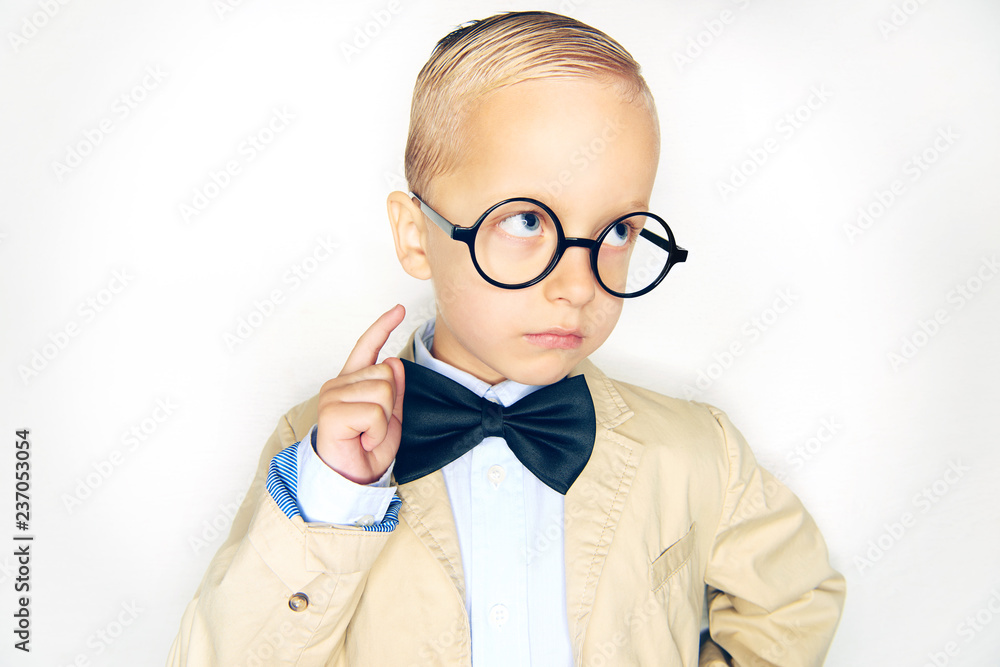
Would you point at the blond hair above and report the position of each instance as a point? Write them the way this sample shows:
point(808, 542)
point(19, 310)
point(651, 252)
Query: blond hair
point(502, 50)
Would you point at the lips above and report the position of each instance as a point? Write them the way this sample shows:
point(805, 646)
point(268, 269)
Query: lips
point(556, 338)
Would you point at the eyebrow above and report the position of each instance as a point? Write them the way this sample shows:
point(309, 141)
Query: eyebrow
point(634, 206)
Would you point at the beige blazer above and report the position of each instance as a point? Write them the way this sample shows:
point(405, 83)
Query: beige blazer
point(671, 513)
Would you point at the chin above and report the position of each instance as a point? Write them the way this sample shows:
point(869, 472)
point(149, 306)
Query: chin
point(543, 373)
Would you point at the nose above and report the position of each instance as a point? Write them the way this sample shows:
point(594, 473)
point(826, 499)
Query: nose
point(572, 279)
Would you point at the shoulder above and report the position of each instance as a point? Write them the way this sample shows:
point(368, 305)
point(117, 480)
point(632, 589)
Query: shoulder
point(656, 419)
point(620, 401)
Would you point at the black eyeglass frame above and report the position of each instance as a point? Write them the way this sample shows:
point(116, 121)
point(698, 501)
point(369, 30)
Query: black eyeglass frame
point(467, 235)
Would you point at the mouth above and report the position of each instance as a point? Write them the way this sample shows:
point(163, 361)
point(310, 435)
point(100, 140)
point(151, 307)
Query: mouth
point(556, 338)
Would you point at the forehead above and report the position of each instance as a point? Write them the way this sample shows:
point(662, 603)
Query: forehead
point(576, 144)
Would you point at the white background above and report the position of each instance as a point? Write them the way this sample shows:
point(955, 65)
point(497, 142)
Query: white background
point(899, 427)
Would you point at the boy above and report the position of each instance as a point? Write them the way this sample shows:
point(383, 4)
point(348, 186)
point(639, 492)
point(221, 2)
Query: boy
point(495, 499)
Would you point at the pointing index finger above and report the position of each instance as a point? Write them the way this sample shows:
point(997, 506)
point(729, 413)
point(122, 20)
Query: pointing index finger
point(365, 352)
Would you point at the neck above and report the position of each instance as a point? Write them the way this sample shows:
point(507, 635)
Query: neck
point(479, 370)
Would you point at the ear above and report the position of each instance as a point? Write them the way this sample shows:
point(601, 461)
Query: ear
point(409, 232)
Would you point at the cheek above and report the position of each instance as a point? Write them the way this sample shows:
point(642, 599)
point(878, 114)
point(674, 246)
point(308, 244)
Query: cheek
point(466, 301)
point(450, 291)
point(452, 272)
point(601, 319)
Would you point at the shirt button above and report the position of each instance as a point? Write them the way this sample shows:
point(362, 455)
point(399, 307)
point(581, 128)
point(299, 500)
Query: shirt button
point(298, 602)
point(498, 615)
point(496, 475)
point(366, 520)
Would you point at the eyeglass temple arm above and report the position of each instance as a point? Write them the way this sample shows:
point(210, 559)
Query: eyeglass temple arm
point(436, 217)
point(680, 254)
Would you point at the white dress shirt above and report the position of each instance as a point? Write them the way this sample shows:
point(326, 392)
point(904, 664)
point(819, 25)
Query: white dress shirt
point(510, 532)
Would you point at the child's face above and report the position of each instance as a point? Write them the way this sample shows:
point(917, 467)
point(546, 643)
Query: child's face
point(575, 145)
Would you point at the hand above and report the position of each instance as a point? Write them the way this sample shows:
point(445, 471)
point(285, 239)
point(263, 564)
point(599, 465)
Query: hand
point(361, 410)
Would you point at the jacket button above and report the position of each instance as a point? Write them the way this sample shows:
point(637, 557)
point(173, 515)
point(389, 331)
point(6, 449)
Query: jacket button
point(298, 602)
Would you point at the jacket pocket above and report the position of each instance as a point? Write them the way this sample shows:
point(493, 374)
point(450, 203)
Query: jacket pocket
point(672, 559)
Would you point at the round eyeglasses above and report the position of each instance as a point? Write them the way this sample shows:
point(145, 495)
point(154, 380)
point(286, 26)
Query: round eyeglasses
point(519, 241)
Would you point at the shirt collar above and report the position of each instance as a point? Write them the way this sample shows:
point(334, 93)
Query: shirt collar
point(505, 393)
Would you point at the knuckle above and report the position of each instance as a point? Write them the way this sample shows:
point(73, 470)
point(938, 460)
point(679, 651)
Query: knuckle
point(386, 393)
point(374, 413)
point(327, 411)
point(380, 370)
point(332, 384)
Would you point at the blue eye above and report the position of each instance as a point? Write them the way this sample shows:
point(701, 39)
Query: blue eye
point(522, 224)
point(620, 234)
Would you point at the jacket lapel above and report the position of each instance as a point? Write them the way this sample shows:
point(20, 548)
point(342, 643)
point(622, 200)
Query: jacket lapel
point(427, 511)
point(594, 503)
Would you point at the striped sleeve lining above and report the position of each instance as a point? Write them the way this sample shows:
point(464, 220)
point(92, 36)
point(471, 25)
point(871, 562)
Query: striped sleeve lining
point(282, 484)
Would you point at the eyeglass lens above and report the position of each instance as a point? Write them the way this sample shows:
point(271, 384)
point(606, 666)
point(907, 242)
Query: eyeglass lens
point(517, 241)
point(633, 254)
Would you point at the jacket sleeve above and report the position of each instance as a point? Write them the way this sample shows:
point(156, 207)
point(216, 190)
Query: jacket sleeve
point(773, 597)
point(279, 590)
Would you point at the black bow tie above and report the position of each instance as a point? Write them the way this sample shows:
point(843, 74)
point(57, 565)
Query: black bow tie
point(550, 431)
